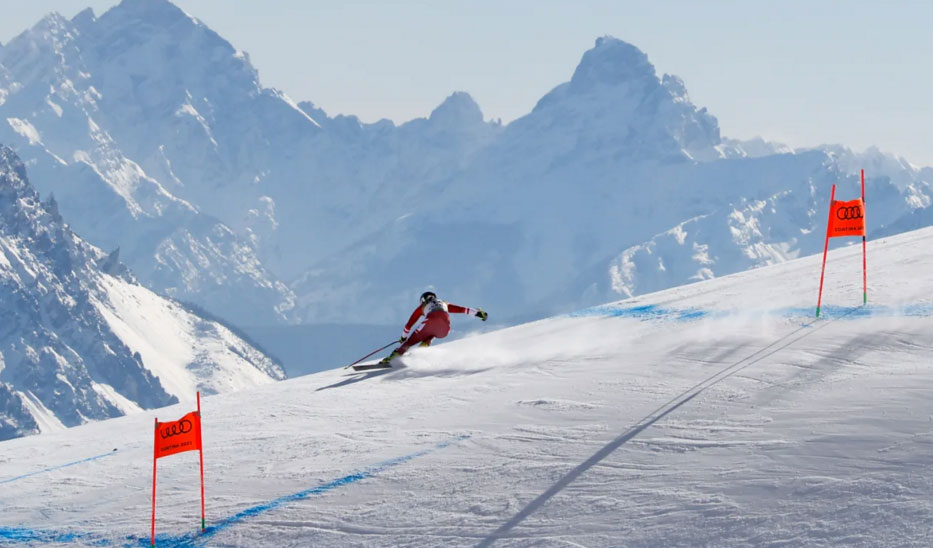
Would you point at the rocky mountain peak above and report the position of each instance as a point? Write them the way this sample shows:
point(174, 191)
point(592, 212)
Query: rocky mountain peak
point(157, 12)
point(611, 62)
point(458, 109)
point(84, 18)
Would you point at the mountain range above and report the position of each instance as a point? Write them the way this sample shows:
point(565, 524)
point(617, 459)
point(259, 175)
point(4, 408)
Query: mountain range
point(158, 139)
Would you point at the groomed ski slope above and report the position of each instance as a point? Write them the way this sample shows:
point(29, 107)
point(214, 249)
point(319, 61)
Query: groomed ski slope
point(716, 414)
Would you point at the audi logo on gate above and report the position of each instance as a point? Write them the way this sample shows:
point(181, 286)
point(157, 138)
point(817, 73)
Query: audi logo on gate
point(181, 427)
point(850, 212)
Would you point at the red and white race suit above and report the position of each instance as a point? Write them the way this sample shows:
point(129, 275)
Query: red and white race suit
point(436, 323)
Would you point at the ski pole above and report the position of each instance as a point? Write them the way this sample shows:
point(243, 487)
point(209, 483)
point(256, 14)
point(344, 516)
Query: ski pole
point(373, 352)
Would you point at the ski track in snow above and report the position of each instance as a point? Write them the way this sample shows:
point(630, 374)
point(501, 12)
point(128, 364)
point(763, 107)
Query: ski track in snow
point(634, 424)
point(59, 467)
point(652, 418)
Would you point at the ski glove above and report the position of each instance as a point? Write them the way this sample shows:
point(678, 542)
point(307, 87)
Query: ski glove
point(481, 314)
point(402, 339)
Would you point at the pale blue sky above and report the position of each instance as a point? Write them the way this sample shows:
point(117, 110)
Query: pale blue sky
point(799, 72)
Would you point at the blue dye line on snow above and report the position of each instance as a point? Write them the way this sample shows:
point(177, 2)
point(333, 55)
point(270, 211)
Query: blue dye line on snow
point(32, 536)
point(650, 312)
point(919, 310)
point(59, 467)
point(643, 312)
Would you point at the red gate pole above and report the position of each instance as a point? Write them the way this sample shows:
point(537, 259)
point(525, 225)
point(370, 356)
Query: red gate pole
point(201, 460)
point(829, 219)
point(864, 252)
point(155, 437)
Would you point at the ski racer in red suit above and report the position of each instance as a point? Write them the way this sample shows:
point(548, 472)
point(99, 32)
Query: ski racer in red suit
point(436, 323)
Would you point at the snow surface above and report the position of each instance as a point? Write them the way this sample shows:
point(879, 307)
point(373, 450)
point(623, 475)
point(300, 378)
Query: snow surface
point(715, 414)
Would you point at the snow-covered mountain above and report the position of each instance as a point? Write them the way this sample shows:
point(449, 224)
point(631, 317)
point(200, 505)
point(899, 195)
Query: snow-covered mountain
point(96, 107)
point(214, 187)
point(720, 413)
point(614, 185)
point(219, 191)
point(81, 340)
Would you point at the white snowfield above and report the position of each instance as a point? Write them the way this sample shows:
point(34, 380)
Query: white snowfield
point(186, 352)
point(716, 414)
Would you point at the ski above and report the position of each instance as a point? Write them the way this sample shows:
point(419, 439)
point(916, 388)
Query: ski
point(366, 367)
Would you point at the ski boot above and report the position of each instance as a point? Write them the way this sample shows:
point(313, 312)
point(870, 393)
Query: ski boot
point(387, 361)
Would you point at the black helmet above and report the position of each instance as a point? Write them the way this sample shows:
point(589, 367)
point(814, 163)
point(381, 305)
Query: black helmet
point(428, 296)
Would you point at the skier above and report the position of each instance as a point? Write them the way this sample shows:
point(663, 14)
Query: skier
point(436, 323)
